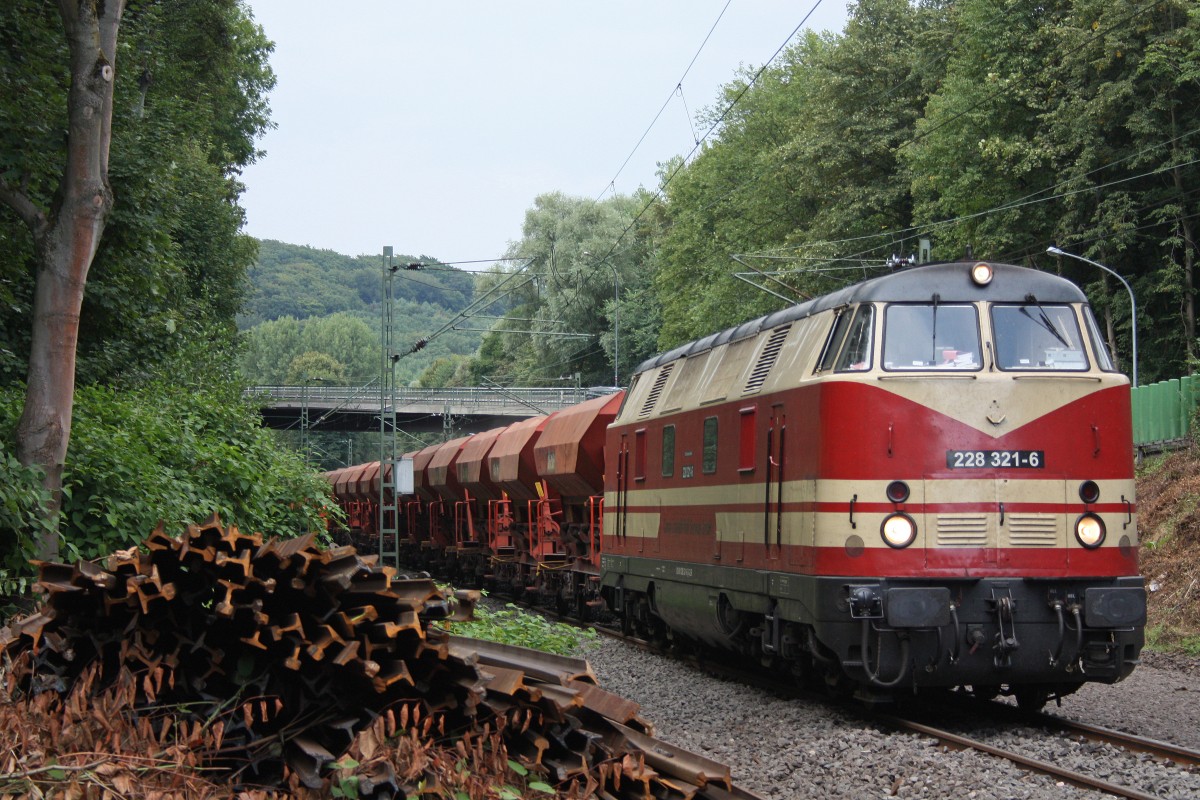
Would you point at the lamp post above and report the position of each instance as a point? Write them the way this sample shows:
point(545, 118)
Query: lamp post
point(616, 317)
point(1132, 303)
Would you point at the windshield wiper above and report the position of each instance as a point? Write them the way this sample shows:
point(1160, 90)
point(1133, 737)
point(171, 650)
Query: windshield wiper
point(1045, 320)
point(933, 358)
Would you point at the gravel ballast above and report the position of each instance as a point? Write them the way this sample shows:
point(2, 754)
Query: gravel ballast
point(785, 748)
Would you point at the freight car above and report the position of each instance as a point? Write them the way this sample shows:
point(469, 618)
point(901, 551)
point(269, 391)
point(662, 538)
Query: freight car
point(924, 480)
point(516, 509)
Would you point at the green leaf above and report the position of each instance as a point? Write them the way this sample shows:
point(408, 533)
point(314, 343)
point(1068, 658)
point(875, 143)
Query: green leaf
point(517, 768)
point(545, 788)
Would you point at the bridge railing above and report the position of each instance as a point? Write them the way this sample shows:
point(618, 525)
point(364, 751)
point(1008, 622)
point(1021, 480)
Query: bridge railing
point(479, 397)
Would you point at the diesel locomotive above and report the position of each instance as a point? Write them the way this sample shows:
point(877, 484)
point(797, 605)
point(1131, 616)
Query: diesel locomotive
point(924, 480)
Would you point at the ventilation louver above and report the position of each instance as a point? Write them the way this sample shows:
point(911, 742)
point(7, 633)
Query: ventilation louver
point(767, 359)
point(656, 390)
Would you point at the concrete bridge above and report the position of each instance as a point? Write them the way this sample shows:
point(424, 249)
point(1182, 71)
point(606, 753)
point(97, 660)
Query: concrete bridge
point(357, 408)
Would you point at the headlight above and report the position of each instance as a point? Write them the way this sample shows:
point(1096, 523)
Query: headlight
point(898, 530)
point(1089, 530)
point(981, 273)
point(1089, 492)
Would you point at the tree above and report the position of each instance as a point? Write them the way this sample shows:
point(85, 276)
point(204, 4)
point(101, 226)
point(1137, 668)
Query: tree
point(66, 235)
point(575, 254)
point(124, 182)
point(804, 166)
point(314, 366)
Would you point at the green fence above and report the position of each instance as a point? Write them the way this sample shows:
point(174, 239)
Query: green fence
point(1162, 412)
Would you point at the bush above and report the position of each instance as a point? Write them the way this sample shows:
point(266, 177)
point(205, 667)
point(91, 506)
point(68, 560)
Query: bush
point(164, 453)
point(21, 501)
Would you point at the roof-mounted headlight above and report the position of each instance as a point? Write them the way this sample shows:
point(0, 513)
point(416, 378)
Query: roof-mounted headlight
point(981, 273)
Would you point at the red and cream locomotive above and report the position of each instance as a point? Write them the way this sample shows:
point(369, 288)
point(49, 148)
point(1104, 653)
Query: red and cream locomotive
point(921, 480)
point(924, 479)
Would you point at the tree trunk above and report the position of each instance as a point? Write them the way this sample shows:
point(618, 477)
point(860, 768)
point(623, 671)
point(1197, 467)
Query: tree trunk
point(1189, 268)
point(65, 241)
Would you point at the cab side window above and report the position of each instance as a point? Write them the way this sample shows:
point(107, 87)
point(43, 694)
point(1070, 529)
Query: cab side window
point(709, 464)
point(668, 451)
point(856, 353)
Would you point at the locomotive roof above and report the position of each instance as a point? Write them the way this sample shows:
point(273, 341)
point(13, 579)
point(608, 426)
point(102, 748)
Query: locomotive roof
point(951, 281)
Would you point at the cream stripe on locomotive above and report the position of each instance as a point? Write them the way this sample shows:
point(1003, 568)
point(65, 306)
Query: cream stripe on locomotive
point(944, 527)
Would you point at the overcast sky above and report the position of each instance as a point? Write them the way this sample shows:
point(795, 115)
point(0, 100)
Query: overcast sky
point(432, 126)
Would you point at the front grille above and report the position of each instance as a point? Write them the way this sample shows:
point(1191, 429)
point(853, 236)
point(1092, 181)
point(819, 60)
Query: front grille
point(1032, 530)
point(962, 530)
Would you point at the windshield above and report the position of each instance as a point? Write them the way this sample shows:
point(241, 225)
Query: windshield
point(931, 336)
point(1037, 337)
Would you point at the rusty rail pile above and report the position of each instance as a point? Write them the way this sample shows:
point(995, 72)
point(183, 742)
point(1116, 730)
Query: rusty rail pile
point(283, 657)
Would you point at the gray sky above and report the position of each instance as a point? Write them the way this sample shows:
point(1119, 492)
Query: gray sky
point(432, 126)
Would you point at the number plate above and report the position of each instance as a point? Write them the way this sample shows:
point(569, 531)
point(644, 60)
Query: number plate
point(995, 459)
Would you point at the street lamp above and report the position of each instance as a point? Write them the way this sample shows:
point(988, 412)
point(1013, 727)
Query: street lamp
point(616, 317)
point(1132, 302)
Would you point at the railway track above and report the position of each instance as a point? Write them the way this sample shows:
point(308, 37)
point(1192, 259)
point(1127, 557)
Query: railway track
point(1180, 756)
point(972, 715)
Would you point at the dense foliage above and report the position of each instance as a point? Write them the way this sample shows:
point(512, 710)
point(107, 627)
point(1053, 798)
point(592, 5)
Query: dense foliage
point(174, 448)
point(993, 129)
point(161, 431)
point(190, 100)
point(1003, 129)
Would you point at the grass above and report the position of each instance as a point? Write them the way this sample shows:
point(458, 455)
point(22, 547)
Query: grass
point(513, 625)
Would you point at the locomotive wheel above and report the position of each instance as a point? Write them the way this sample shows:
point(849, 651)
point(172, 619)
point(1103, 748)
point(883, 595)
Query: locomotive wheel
point(1031, 698)
point(986, 692)
point(838, 684)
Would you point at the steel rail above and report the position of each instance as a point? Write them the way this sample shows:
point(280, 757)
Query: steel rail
point(1036, 765)
point(1182, 756)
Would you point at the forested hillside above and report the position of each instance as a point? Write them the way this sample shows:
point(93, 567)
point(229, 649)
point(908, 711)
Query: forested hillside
point(317, 314)
point(290, 280)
